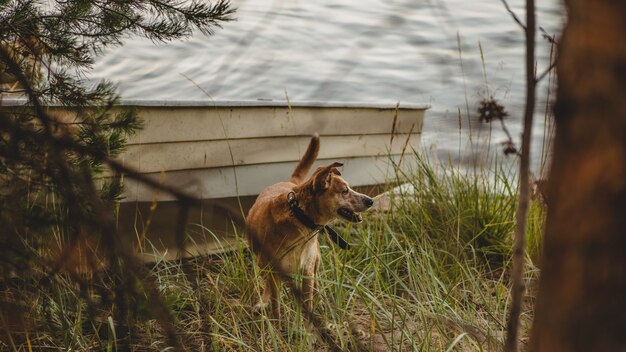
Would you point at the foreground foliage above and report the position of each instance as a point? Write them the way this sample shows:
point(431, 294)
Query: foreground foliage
point(429, 274)
point(56, 211)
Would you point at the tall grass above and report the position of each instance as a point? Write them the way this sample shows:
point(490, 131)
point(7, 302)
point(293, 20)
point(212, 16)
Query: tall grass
point(428, 274)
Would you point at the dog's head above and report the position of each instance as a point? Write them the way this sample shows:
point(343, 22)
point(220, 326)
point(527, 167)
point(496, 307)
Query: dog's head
point(334, 196)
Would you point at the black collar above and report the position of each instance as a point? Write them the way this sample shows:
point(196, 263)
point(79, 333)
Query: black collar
point(308, 222)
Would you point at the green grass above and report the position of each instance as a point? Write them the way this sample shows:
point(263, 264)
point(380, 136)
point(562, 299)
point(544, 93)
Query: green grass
point(430, 274)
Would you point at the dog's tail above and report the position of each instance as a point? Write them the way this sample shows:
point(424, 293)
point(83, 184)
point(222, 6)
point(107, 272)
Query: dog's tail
point(307, 160)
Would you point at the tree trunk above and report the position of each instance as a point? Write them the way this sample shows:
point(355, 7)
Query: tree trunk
point(581, 305)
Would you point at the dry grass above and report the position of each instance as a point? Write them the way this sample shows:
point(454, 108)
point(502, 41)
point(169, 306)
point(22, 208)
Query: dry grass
point(428, 275)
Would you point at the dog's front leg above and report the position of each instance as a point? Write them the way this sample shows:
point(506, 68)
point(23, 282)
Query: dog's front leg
point(309, 283)
point(308, 286)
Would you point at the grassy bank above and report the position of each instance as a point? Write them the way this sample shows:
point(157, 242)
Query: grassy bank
point(428, 274)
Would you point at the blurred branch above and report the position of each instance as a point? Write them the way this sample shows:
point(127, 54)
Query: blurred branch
point(515, 18)
point(521, 213)
point(552, 40)
point(545, 73)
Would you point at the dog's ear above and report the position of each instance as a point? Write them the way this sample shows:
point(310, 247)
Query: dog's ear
point(333, 168)
point(322, 176)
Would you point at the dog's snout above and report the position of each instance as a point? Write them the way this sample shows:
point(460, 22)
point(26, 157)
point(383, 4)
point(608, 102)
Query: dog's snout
point(368, 202)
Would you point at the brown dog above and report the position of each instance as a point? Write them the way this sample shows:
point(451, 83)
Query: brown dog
point(282, 224)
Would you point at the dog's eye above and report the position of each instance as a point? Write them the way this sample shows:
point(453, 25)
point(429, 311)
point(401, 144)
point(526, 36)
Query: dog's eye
point(345, 191)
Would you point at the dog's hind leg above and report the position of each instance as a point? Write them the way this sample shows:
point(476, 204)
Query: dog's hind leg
point(271, 290)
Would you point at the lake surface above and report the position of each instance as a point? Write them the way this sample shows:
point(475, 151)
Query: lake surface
point(356, 51)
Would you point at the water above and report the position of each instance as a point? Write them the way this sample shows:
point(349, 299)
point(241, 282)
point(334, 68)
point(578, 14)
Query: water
point(358, 51)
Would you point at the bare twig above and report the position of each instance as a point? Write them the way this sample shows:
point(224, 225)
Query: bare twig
point(547, 36)
point(136, 175)
point(515, 18)
point(517, 271)
point(546, 72)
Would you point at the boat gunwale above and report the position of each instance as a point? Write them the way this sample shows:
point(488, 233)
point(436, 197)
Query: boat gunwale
point(396, 135)
point(245, 104)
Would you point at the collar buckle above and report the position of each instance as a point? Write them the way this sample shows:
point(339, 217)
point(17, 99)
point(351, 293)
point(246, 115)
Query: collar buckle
point(291, 200)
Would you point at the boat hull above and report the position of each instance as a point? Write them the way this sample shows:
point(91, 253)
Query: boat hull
point(228, 149)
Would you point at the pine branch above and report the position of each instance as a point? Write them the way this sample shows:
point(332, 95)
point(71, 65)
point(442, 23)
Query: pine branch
point(102, 221)
point(45, 48)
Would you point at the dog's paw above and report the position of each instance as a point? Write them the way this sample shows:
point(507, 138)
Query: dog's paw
point(258, 308)
point(330, 326)
point(360, 333)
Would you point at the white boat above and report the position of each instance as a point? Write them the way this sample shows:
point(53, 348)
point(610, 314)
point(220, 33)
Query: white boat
point(233, 148)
